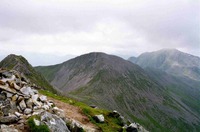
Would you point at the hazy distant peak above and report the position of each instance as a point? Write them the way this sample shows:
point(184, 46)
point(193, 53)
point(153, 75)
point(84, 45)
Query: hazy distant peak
point(172, 61)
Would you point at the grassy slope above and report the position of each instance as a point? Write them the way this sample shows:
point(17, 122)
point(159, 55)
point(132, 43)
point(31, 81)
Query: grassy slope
point(136, 109)
point(152, 106)
point(111, 124)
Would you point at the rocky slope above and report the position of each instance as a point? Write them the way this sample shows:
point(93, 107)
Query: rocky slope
point(20, 64)
point(19, 101)
point(111, 82)
point(171, 61)
point(23, 109)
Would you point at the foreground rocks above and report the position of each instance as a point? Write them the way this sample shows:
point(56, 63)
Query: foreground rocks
point(19, 101)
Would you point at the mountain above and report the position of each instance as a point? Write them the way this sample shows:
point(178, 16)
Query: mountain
point(171, 61)
point(20, 64)
point(113, 83)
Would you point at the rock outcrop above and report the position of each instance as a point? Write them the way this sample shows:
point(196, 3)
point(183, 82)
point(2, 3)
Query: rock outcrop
point(19, 101)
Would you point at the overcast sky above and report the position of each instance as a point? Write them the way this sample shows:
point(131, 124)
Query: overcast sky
point(51, 31)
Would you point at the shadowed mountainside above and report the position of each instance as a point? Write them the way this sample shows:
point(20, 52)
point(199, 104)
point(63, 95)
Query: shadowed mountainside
point(111, 82)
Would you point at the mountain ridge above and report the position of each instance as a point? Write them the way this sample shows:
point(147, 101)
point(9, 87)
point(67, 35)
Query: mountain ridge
point(171, 61)
point(114, 83)
point(19, 63)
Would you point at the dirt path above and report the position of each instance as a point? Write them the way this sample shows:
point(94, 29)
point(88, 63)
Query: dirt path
point(75, 113)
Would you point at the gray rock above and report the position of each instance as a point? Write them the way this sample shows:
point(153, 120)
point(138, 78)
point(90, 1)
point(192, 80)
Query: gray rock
point(43, 98)
point(99, 118)
point(22, 105)
point(58, 112)
point(9, 119)
point(2, 96)
point(5, 128)
point(18, 114)
point(55, 123)
point(29, 103)
point(14, 97)
point(114, 114)
point(35, 100)
point(37, 122)
point(35, 91)
point(8, 94)
point(6, 110)
point(27, 91)
point(74, 126)
point(132, 128)
point(45, 107)
point(27, 111)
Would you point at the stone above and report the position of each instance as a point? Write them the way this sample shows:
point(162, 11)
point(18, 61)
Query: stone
point(50, 104)
point(19, 99)
point(14, 97)
point(58, 112)
point(75, 126)
point(5, 128)
point(37, 112)
point(7, 74)
point(6, 109)
point(8, 94)
point(19, 109)
point(18, 114)
point(45, 107)
point(35, 91)
point(122, 120)
point(16, 86)
point(132, 128)
point(93, 106)
point(13, 106)
point(27, 111)
point(22, 105)
point(35, 100)
point(37, 122)
point(55, 123)
point(27, 91)
point(2, 96)
point(29, 103)
point(43, 98)
point(114, 114)
point(2, 83)
point(99, 118)
point(8, 119)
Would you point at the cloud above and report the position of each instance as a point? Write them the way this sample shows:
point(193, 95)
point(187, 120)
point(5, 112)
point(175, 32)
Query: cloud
point(74, 27)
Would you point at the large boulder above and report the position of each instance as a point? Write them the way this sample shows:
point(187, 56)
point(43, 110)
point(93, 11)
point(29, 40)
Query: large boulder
point(8, 119)
point(99, 118)
point(55, 123)
point(132, 128)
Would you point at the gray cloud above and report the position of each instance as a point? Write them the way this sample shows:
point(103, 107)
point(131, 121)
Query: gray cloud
point(121, 27)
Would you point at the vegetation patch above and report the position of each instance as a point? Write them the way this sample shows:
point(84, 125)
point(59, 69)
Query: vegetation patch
point(34, 128)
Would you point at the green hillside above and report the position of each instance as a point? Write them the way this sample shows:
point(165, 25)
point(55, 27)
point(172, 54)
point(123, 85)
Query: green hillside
point(116, 84)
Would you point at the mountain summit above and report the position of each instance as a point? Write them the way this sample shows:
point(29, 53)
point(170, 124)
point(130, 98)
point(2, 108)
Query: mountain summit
point(19, 63)
point(171, 61)
point(113, 83)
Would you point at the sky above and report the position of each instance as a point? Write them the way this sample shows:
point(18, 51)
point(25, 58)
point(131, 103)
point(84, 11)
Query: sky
point(48, 32)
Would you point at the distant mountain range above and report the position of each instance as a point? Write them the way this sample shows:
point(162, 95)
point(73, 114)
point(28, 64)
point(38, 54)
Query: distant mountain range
point(154, 95)
point(111, 82)
point(171, 61)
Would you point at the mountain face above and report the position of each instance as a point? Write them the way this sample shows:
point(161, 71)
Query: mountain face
point(20, 64)
point(114, 83)
point(171, 61)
